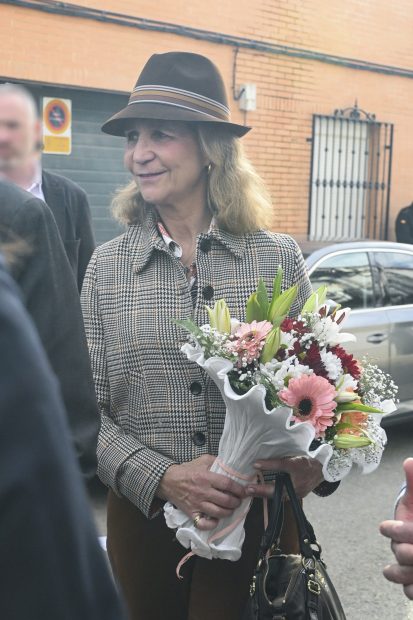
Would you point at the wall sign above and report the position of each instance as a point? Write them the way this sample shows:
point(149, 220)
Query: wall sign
point(57, 126)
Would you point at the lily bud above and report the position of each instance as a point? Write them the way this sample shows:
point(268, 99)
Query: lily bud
point(219, 317)
point(346, 396)
point(346, 441)
point(272, 344)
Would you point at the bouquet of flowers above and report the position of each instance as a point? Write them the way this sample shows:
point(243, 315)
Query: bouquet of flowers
point(290, 389)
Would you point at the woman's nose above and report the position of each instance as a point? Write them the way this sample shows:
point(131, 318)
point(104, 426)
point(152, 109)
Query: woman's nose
point(142, 152)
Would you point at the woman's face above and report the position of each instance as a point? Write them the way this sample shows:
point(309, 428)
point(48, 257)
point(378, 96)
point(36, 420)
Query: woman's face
point(166, 162)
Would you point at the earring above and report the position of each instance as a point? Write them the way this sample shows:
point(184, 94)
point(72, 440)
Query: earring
point(209, 168)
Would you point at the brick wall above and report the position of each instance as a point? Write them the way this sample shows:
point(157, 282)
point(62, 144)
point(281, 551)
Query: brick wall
point(89, 54)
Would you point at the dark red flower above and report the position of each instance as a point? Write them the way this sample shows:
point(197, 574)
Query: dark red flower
point(349, 363)
point(293, 326)
point(313, 360)
point(287, 325)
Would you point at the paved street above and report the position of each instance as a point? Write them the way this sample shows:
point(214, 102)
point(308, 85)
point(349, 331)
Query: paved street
point(347, 527)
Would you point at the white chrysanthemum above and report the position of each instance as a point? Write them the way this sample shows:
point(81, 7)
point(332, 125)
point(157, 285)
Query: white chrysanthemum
point(287, 339)
point(280, 371)
point(332, 364)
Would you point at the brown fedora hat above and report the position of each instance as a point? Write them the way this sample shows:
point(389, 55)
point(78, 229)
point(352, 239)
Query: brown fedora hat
point(177, 86)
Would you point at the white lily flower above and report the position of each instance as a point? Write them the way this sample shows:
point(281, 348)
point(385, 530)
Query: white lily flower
point(345, 387)
point(327, 332)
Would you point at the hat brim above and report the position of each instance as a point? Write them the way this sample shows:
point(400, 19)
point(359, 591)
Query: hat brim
point(118, 124)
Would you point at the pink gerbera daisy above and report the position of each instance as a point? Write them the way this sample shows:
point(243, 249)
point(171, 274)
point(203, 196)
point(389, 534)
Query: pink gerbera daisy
point(312, 400)
point(249, 340)
point(254, 330)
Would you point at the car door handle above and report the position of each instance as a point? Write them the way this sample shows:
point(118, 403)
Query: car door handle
point(377, 338)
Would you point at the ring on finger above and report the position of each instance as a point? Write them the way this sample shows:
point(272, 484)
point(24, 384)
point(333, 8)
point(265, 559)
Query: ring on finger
point(197, 519)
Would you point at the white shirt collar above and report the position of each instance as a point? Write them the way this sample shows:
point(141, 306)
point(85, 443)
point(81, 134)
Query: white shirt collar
point(35, 188)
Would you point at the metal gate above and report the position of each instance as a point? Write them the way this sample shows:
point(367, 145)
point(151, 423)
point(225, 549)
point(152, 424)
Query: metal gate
point(350, 176)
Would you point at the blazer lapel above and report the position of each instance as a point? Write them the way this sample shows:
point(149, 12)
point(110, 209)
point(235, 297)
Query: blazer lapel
point(54, 198)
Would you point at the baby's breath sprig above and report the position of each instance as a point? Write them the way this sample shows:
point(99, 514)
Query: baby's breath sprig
point(375, 384)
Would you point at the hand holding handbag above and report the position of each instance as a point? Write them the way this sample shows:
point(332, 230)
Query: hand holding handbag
point(291, 587)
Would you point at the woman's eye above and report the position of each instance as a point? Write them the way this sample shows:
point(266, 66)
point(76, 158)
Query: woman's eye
point(160, 135)
point(132, 137)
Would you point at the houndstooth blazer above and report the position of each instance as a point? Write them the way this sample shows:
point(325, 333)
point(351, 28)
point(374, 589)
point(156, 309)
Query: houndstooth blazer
point(157, 407)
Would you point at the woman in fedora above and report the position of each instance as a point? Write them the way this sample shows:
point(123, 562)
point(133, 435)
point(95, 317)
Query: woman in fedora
point(196, 214)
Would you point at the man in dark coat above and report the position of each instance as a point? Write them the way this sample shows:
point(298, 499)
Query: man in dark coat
point(404, 225)
point(51, 565)
point(69, 205)
point(20, 142)
point(50, 294)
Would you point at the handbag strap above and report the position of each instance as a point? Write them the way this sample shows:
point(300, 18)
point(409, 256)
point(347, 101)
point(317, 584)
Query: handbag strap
point(308, 544)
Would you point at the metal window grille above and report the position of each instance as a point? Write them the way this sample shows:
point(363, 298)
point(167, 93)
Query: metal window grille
point(350, 176)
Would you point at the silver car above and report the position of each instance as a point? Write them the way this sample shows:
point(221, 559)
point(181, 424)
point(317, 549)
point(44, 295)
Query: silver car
point(375, 279)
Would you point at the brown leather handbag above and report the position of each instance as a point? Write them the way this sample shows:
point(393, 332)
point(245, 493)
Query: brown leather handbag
point(291, 587)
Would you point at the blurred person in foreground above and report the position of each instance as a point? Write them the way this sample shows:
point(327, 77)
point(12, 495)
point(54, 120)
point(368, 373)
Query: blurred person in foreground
point(196, 212)
point(20, 163)
point(50, 295)
point(51, 564)
point(400, 531)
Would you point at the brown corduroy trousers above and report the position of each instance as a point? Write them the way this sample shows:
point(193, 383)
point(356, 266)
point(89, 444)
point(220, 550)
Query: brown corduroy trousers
point(144, 555)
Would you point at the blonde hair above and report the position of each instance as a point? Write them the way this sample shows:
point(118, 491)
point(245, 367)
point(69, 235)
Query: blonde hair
point(237, 195)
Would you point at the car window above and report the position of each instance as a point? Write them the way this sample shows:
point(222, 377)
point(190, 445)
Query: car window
point(348, 277)
point(396, 275)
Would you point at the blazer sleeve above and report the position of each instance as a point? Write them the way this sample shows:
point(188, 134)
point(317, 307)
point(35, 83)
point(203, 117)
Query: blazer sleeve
point(84, 232)
point(48, 541)
point(300, 278)
point(125, 464)
point(51, 297)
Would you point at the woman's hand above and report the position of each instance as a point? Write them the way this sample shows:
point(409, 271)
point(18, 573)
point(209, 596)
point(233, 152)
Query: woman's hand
point(400, 531)
point(195, 490)
point(306, 475)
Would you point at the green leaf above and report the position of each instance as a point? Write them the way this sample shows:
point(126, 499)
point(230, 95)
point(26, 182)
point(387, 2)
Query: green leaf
point(343, 407)
point(278, 320)
point(316, 299)
point(282, 304)
point(190, 327)
point(254, 311)
point(276, 291)
point(262, 297)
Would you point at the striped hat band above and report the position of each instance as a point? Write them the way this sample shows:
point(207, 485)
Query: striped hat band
point(179, 98)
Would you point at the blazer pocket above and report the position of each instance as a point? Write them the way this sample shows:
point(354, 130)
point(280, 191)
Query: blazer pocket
point(72, 253)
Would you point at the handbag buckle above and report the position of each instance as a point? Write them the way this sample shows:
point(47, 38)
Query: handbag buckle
point(252, 586)
point(314, 587)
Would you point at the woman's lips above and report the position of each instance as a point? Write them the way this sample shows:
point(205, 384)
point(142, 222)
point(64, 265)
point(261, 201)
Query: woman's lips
point(147, 176)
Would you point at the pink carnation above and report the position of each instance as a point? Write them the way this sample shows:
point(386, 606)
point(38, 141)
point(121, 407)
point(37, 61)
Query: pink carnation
point(312, 400)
